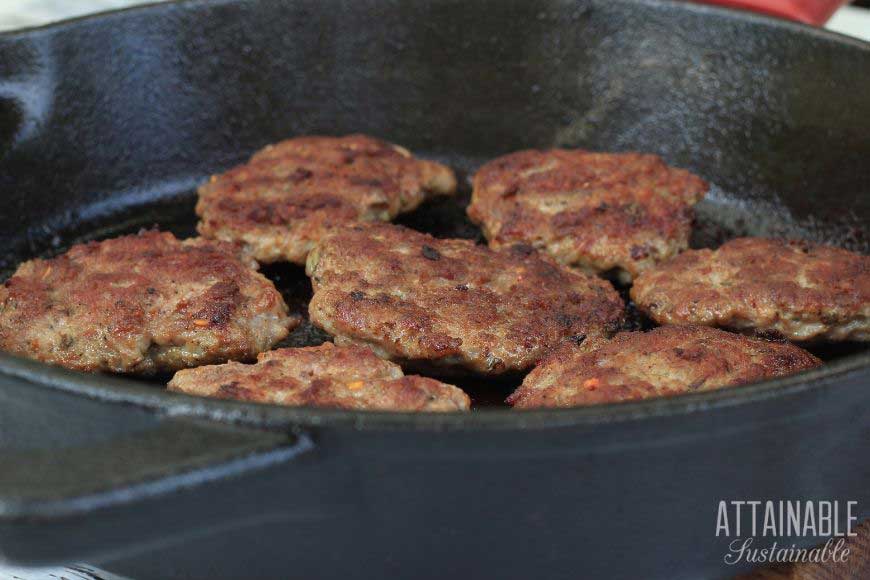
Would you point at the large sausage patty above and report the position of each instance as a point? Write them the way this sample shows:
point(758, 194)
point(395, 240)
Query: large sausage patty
point(350, 377)
point(799, 290)
point(288, 195)
point(451, 303)
point(141, 304)
point(666, 361)
point(597, 211)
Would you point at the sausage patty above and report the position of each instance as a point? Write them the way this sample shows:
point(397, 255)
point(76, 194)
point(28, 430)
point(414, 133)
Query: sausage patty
point(350, 377)
point(281, 202)
point(596, 211)
point(799, 290)
point(666, 361)
point(141, 304)
point(412, 297)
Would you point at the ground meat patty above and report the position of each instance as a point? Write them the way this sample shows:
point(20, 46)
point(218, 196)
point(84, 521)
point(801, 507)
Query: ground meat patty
point(350, 377)
point(453, 304)
point(141, 304)
point(597, 211)
point(666, 361)
point(282, 201)
point(799, 290)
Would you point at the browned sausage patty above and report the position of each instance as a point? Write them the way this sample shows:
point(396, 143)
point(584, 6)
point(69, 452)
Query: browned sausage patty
point(350, 377)
point(281, 202)
point(595, 211)
point(799, 290)
point(666, 361)
point(412, 297)
point(141, 304)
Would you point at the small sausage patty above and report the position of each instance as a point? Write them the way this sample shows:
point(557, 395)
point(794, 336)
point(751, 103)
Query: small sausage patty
point(597, 211)
point(450, 303)
point(141, 304)
point(666, 361)
point(288, 195)
point(799, 290)
point(350, 377)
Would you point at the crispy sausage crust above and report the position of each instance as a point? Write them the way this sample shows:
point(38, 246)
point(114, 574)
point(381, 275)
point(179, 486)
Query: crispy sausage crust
point(666, 361)
point(802, 291)
point(349, 377)
point(595, 211)
point(412, 297)
point(288, 195)
point(141, 304)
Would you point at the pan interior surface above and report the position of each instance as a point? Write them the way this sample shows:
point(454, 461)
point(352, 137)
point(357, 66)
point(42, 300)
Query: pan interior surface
point(720, 218)
point(93, 146)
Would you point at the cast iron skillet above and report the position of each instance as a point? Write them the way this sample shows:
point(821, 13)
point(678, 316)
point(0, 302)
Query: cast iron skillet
point(107, 124)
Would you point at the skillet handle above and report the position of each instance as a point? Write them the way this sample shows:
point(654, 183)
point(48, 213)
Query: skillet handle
point(815, 12)
point(82, 479)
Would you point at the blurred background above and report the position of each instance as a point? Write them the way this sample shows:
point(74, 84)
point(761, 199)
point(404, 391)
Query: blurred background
point(853, 20)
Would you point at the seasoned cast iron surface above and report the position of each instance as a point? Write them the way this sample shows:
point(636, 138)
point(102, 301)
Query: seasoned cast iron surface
point(719, 218)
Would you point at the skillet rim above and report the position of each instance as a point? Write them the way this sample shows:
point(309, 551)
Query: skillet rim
point(120, 390)
point(756, 18)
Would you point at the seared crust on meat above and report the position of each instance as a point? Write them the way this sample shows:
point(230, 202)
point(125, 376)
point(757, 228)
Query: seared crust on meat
point(666, 361)
point(348, 377)
point(288, 195)
point(595, 211)
point(141, 304)
point(450, 303)
point(800, 290)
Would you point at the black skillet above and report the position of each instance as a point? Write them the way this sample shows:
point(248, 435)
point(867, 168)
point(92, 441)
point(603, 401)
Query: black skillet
point(107, 124)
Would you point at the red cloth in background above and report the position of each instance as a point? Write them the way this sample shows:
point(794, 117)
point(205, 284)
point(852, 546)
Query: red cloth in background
point(809, 11)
